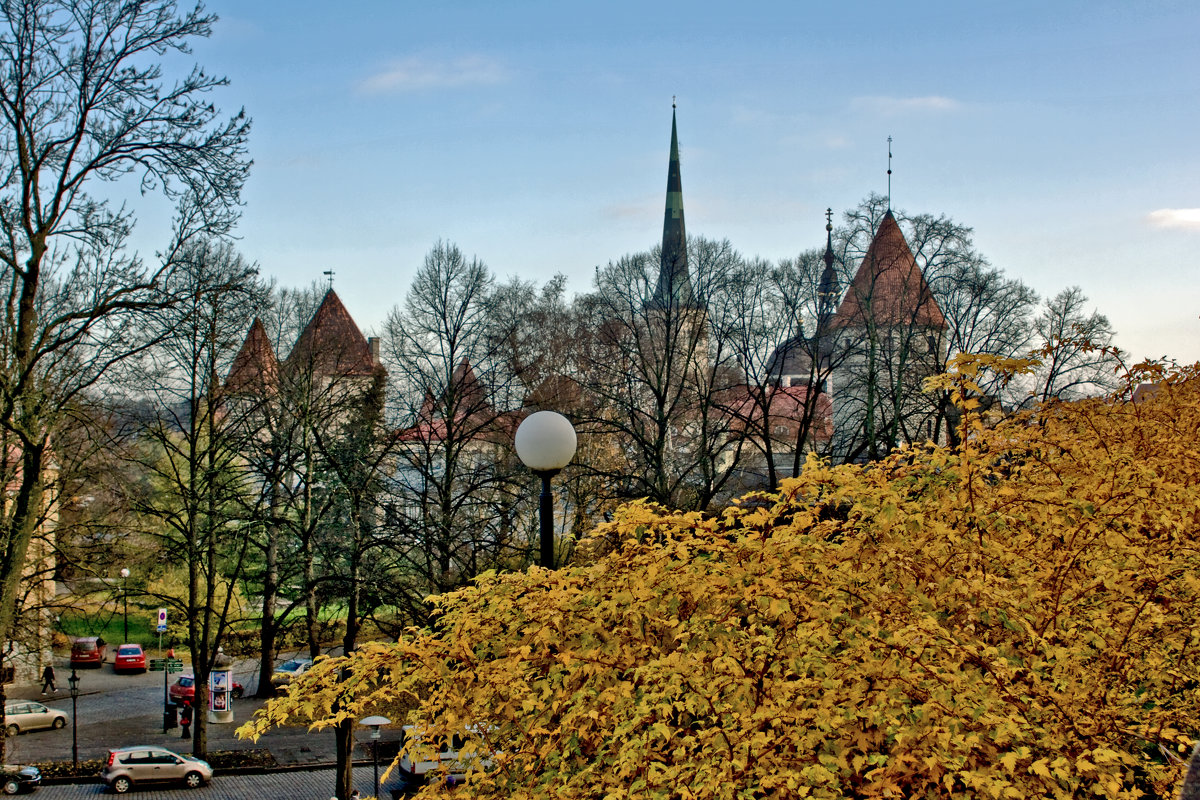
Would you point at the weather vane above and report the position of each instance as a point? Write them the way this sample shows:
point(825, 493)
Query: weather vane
point(889, 173)
point(329, 274)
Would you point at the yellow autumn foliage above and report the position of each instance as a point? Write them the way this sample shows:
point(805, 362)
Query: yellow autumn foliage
point(1018, 618)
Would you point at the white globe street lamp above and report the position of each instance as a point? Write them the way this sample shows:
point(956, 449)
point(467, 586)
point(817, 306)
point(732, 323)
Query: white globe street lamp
point(545, 443)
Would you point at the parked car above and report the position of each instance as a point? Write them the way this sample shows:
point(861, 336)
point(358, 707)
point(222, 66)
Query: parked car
point(130, 766)
point(129, 658)
point(88, 651)
point(29, 716)
point(15, 779)
point(183, 690)
point(289, 670)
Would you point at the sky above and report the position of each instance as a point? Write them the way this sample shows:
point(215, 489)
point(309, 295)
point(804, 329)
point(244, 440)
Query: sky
point(535, 136)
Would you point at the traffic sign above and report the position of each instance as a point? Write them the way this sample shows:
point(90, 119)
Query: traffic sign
point(162, 620)
point(168, 664)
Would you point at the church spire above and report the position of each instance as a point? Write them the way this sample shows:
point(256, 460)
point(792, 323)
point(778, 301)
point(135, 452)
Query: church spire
point(827, 290)
point(674, 288)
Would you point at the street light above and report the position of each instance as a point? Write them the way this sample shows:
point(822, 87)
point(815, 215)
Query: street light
point(545, 443)
point(125, 591)
point(74, 683)
point(375, 723)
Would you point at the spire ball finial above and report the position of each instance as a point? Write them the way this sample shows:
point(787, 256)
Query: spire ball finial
point(829, 219)
point(672, 102)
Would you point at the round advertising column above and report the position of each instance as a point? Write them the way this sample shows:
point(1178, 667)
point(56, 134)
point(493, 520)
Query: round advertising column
point(220, 690)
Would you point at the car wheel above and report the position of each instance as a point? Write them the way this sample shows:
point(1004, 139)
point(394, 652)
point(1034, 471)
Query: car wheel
point(121, 785)
point(59, 722)
point(13, 730)
point(193, 780)
point(11, 786)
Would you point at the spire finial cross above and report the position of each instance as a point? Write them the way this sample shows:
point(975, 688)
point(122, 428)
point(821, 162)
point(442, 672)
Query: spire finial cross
point(672, 102)
point(829, 219)
point(329, 274)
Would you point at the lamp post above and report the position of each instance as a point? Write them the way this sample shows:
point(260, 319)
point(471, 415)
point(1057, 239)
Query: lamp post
point(74, 683)
point(125, 592)
point(545, 443)
point(375, 723)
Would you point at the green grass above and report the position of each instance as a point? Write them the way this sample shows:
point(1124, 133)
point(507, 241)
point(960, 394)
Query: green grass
point(74, 623)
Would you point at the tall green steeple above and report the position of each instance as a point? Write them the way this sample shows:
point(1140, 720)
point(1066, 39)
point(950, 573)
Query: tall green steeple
point(674, 288)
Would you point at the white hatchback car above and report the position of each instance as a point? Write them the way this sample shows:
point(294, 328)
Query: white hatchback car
point(29, 716)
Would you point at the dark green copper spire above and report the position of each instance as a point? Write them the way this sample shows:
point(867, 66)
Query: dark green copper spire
point(827, 290)
point(674, 286)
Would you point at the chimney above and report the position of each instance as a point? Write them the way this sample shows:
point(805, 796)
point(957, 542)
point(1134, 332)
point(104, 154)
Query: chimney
point(373, 344)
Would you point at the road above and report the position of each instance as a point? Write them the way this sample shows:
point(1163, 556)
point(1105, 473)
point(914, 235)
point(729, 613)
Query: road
point(120, 710)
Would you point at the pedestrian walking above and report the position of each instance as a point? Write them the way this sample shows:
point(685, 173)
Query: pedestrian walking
point(48, 679)
point(185, 721)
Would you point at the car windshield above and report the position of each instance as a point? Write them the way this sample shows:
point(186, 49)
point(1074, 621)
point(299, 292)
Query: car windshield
point(291, 666)
point(186, 682)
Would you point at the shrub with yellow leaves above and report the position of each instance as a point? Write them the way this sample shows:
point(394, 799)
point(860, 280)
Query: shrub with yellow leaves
point(1017, 617)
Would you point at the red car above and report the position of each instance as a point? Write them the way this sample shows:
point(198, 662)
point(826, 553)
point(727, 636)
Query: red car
point(184, 690)
point(129, 658)
point(87, 651)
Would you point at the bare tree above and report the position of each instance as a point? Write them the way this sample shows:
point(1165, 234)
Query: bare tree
point(1075, 348)
point(197, 489)
point(82, 104)
point(659, 365)
point(451, 351)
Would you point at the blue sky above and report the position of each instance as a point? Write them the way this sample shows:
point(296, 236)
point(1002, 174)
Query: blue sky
point(535, 135)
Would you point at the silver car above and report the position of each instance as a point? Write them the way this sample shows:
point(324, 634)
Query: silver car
point(137, 765)
point(29, 716)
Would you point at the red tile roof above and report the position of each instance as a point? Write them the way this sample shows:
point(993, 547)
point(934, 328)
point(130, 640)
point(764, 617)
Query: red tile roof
point(888, 288)
point(255, 369)
point(786, 408)
point(331, 344)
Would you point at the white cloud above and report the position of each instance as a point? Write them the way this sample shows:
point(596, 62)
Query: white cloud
point(892, 106)
point(1187, 218)
point(417, 73)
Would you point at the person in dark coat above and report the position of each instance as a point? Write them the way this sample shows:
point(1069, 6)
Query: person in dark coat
point(48, 680)
point(185, 721)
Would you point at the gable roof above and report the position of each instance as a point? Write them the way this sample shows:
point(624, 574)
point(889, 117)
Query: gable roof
point(889, 289)
point(255, 368)
point(331, 344)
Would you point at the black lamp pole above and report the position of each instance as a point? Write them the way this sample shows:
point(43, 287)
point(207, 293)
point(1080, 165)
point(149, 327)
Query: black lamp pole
point(375, 723)
point(546, 518)
point(74, 682)
point(125, 593)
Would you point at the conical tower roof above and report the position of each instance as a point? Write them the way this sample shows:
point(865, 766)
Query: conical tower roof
point(331, 344)
point(674, 289)
point(255, 369)
point(888, 289)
